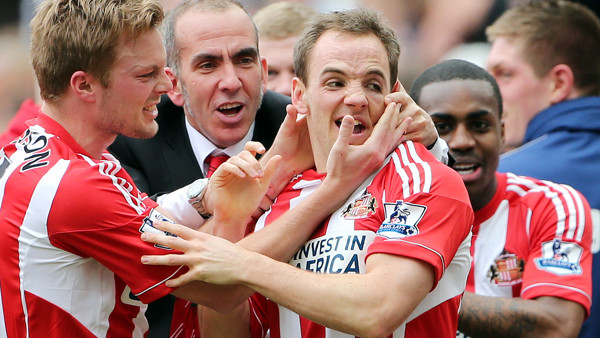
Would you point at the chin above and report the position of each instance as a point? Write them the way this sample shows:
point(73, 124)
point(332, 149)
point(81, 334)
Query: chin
point(145, 133)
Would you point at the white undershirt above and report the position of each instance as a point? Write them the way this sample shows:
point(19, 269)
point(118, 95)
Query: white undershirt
point(176, 202)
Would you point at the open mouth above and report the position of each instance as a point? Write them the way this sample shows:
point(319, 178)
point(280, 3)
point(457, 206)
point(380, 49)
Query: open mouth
point(465, 168)
point(151, 110)
point(230, 109)
point(358, 127)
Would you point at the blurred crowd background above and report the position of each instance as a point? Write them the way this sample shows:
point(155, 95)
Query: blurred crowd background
point(428, 30)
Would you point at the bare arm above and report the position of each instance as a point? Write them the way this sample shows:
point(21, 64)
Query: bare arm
point(282, 239)
point(484, 316)
point(370, 304)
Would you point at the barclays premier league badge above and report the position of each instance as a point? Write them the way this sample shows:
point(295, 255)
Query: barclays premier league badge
point(148, 226)
point(560, 258)
point(401, 220)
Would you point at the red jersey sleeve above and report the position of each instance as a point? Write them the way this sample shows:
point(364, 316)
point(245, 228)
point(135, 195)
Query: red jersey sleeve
point(560, 260)
point(427, 213)
point(99, 213)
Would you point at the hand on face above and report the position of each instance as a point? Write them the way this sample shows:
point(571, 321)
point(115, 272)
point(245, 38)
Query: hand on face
point(292, 143)
point(209, 258)
point(238, 186)
point(349, 165)
point(422, 129)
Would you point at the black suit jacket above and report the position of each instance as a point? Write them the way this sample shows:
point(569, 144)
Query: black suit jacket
point(166, 162)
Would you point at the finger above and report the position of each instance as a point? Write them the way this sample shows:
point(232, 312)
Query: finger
point(400, 96)
point(249, 164)
point(181, 280)
point(254, 147)
point(271, 168)
point(178, 230)
point(233, 166)
point(386, 124)
point(171, 260)
point(345, 132)
point(164, 240)
point(289, 122)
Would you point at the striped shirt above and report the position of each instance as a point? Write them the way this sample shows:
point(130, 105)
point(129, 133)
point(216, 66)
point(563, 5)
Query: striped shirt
point(71, 242)
point(414, 206)
point(533, 239)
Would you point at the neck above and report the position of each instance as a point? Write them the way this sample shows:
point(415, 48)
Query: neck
point(78, 123)
point(480, 200)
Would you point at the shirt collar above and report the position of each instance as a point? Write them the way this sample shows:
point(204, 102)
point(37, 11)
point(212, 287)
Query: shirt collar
point(203, 147)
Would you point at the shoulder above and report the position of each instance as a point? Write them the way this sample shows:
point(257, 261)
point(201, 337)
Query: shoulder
point(538, 195)
point(413, 169)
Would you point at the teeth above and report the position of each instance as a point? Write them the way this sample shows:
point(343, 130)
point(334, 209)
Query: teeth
point(150, 108)
point(230, 106)
point(465, 169)
point(357, 123)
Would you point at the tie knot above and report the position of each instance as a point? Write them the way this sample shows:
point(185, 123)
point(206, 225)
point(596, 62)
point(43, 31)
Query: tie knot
point(214, 162)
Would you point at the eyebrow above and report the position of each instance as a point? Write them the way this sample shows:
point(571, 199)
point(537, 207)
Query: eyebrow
point(249, 51)
point(473, 114)
point(341, 72)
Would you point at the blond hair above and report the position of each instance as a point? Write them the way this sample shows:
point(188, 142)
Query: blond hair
point(280, 20)
point(83, 35)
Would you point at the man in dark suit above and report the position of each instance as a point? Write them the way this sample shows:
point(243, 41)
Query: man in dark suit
point(219, 102)
point(167, 161)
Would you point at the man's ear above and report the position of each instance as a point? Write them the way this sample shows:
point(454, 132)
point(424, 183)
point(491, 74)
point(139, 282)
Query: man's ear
point(562, 81)
point(502, 140)
point(83, 85)
point(175, 94)
point(396, 87)
point(264, 72)
point(299, 96)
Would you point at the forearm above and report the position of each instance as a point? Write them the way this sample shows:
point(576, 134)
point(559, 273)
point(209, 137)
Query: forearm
point(366, 305)
point(483, 316)
point(282, 239)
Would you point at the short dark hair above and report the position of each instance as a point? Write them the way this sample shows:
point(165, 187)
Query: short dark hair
point(555, 32)
point(360, 21)
point(183, 7)
point(450, 70)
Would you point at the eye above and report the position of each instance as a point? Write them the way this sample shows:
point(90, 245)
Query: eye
point(374, 87)
point(147, 75)
point(272, 73)
point(247, 61)
point(207, 65)
point(480, 126)
point(442, 127)
point(334, 84)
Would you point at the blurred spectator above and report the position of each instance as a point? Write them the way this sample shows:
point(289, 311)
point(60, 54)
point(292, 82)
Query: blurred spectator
point(279, 25)
point(545, 58)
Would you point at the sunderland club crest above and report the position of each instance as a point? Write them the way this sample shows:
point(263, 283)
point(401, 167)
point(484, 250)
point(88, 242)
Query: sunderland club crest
point(362, 207)
point(507, 269)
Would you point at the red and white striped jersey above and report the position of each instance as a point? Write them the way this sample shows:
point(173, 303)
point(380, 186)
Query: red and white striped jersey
point(413, 206)
point(71, 244)
point(533, 239)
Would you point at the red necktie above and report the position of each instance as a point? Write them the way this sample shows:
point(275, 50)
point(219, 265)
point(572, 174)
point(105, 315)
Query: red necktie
point(184, 323)
point(214, 162)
